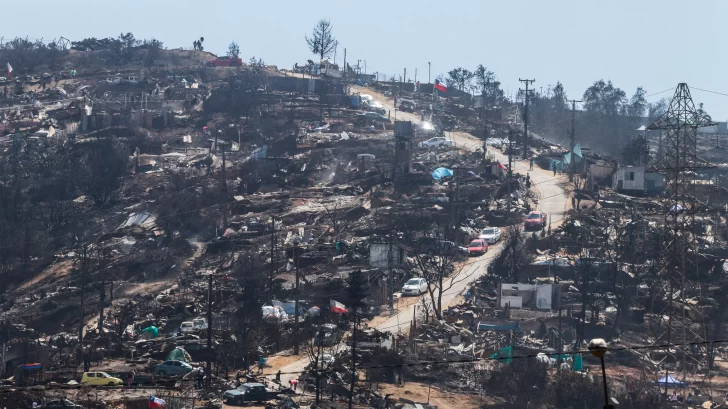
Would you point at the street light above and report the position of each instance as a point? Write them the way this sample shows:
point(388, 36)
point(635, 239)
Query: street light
point(598, 348)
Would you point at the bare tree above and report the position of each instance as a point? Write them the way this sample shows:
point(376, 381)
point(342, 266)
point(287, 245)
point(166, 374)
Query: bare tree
point(320, 356)
point(322, 42)
point(433, 242)
point(233, 50)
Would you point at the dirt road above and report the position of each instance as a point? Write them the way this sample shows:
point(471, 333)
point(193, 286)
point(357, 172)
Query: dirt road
point(552, 200)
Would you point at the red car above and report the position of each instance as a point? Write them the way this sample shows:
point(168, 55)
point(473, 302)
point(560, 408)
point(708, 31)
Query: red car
point(535, 220)
point(477, 247)
point(225, 62)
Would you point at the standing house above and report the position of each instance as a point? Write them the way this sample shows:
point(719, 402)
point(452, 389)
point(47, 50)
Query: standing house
point(537, 296)
point(637, 181)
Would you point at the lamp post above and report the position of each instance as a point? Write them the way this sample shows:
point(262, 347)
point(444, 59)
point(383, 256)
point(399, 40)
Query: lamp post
point(598, 348)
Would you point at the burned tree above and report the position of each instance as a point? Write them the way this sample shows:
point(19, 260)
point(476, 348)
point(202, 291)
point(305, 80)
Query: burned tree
point(433, 239)
point(105, 164)
point(322, 42)
point(233, 50)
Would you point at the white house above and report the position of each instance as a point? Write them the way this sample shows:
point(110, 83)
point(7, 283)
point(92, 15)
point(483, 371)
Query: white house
point(636, 181)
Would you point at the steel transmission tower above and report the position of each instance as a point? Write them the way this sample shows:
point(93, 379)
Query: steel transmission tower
point(678, 269)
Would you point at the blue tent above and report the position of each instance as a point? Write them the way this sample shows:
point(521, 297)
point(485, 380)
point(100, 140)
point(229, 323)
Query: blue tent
point(440, 173)
point(671, 382)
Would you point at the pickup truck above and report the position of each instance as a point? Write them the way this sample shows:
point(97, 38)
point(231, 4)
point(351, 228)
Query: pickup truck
point(249, 392)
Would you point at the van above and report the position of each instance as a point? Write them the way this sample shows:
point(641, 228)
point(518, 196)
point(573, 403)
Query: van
point(199, 324)
point(187, 327)
point(436, 198)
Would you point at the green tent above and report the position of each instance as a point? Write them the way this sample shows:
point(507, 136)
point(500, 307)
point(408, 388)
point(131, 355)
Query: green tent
point(504, 355)
point(152, 330)
point(179, 354)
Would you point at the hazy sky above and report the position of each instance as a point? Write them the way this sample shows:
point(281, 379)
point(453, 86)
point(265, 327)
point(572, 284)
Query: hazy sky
point(649, 43)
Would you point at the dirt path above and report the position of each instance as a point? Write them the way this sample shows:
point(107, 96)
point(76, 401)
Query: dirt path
point(552, 200)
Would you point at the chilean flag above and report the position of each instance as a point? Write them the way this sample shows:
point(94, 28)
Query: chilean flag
point(155, 402)
point(337, 307)
point(440, 86)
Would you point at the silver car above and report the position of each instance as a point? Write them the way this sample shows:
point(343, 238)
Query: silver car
point(415, 286)
point(490, 234)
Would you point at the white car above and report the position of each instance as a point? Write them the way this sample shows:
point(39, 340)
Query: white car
point(415, 286)
point(490, 234)
point(435, 142)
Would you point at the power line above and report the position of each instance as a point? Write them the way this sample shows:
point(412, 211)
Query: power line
point(658, 93)
point(526, 356)
point(712, 92)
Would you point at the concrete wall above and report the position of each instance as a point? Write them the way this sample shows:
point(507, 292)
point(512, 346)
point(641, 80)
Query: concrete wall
point(526, 295)
point(379, 255)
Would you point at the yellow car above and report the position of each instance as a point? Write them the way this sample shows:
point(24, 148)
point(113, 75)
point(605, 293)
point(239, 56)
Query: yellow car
point(100, 379)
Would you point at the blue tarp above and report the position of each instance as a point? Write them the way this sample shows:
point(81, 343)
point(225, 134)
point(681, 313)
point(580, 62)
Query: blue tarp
point(509, 326)
point(671, 382)
point(440, 173)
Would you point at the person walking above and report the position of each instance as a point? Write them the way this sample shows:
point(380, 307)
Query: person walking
point(531, 164)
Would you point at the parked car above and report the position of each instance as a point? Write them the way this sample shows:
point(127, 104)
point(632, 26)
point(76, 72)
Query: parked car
point(477, 247)
point(374, 117)
point(435, 198)
point(60, 404)
point(173, 368)
point(435, 142)
point(445, 248)
point(490, 234)
point(406, 105)
point(535, 220)
point(187, 327)
point(415, 286)
point(225, 62)
point(377, 107)
point(3, 80)
point(100, 379)
point(249, 392)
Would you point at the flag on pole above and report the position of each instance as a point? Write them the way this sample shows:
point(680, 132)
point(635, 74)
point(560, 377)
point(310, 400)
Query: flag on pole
point(501, 166)
point(440, 86)
point(10, 69)
point(337, 307)
point(155, 402)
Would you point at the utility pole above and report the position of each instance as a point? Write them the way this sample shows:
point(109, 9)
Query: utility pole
point(390, 275)
point(525, 116)
point(272, 255)
point(428, 72)
point(573, 138)
point(223, 187)
point(83, 292)
point(102, 295)
point(295, 322)
point(358, 69)
point(353, 359)
point(415, 74)
point(346, 72)
point(365, 67)
point(209, 329)
point(319, 357)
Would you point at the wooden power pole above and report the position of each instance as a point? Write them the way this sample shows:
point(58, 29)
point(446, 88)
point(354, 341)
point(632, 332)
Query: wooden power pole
point(525, 115)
